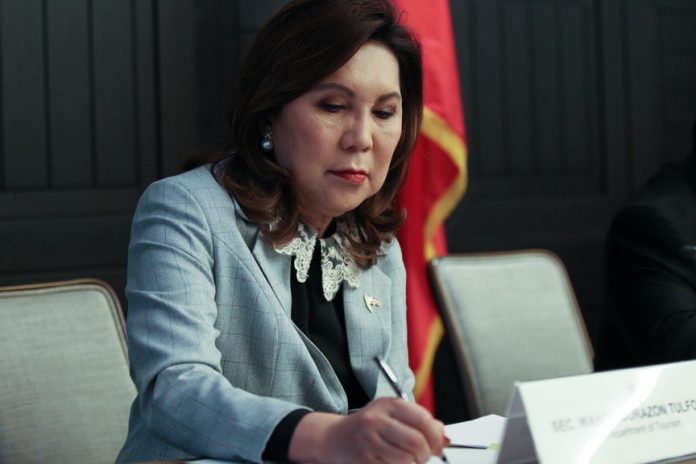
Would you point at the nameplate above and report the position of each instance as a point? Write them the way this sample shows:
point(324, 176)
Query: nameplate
point(639, 415)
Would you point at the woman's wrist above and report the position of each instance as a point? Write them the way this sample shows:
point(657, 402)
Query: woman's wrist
point(310, 438)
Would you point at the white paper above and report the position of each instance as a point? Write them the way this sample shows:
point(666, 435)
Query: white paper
point(482, 431)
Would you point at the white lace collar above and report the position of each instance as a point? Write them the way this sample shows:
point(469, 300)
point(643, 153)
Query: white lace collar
point(337, 264)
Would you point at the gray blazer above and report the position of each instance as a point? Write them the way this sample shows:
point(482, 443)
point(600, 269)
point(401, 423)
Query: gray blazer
point(214, 353)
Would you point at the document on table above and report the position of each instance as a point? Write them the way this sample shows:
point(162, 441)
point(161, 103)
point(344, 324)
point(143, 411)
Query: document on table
point(486, 431)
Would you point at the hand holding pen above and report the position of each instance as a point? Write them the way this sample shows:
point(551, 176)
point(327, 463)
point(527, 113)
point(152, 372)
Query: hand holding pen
point(384, 430)
point(394, 382)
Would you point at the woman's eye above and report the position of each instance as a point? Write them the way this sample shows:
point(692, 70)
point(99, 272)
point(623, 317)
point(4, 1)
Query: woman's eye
point(384, 114)
point(332, 107)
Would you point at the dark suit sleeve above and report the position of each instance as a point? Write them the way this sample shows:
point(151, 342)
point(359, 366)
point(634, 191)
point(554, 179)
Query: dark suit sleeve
point(651, 286)
point(278, 444)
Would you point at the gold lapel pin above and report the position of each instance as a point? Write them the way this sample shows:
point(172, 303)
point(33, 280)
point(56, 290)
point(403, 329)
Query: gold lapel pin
point(372, 302)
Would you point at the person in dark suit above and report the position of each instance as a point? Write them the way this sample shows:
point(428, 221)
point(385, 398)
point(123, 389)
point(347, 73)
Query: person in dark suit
point(651, 272)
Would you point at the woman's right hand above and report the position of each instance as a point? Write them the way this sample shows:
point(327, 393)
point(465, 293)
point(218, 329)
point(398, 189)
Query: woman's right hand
point(385, 430)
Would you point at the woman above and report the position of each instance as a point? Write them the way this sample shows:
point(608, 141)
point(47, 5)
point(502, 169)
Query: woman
point(260, 287)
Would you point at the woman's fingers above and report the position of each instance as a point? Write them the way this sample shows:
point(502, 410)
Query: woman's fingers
point(420, 419)
point(409, 441)
point(385, 430)
point(408, 427)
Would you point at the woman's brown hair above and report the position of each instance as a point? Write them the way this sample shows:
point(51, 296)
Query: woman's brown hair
point(302, 44)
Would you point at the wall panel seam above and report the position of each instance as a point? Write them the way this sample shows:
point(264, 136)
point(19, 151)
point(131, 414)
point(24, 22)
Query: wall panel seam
point(92, 93)
point(47, 94)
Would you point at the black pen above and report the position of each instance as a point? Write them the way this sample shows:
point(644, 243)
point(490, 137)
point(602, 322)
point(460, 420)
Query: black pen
point(457, 445)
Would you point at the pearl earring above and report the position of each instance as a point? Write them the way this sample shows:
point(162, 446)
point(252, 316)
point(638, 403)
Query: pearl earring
point(267, 143)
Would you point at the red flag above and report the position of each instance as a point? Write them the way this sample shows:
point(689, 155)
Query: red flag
point(436, 181)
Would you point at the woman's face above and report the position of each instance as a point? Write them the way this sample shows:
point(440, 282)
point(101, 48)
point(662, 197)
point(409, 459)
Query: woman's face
point(338, 138)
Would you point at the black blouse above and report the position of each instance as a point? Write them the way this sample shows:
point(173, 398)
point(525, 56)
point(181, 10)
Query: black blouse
point(323, 322)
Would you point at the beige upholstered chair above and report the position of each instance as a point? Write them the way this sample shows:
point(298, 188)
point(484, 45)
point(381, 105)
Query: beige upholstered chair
point(512, 316)
point(65, 391)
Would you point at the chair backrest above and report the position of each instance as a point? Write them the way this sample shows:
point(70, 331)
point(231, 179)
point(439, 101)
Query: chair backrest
point(65, 391)
point(511, 316)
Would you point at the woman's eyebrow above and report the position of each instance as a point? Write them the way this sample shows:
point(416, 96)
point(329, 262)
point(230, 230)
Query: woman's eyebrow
point(342, 88)
point(336, 86)
point(389, 95)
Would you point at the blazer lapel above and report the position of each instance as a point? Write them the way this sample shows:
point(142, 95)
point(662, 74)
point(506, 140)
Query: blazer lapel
point(274, 266)
point(368, 325)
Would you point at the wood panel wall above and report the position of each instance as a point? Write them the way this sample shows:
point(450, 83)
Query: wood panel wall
point(661, 70)
point(571, 105)
point(78, 135)
point(541, 173)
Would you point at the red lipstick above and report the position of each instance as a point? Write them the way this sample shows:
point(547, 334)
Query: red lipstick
point(349, 175)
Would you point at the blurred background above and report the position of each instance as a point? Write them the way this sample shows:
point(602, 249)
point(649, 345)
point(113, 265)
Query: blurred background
point(570, 106)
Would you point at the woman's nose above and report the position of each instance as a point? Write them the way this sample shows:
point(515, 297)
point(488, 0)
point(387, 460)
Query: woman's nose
point(358, 135)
